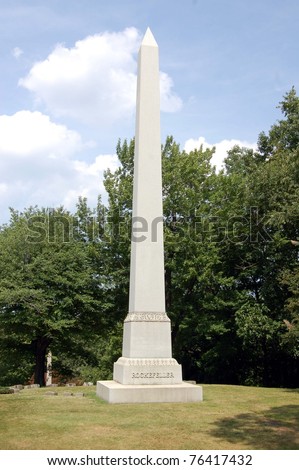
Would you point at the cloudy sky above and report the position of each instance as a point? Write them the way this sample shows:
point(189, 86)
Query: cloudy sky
point(68, 78)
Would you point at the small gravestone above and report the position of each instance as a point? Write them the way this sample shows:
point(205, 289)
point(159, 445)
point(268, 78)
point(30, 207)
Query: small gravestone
point(51, 394)
point(18, 387)
point(32, 386)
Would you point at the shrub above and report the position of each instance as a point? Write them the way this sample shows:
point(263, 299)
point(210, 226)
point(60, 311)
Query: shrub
point(5, 390)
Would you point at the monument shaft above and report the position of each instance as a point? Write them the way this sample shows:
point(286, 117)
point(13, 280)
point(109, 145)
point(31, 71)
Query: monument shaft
point(147, 292)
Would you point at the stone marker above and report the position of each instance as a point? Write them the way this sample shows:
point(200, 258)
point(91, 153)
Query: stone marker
point(49, 369)
point(146, 372)
point(18, 387)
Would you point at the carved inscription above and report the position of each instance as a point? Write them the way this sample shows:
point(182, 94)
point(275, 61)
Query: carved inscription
point(152, 375)
point(152, 362)
point(147, 316)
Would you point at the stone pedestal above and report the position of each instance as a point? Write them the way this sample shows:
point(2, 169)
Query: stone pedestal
point(147, 371)
point(114, 392)
point(147, 335)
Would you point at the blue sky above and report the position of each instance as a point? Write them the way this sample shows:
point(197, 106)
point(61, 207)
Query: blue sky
point(68, 77)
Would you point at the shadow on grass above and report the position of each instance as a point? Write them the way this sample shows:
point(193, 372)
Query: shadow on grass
point(277, 428)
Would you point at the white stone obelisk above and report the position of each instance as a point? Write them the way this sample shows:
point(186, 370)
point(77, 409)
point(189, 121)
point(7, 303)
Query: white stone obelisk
point(146, 372)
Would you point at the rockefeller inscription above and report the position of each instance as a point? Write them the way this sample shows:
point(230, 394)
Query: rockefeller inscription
point(152, 375)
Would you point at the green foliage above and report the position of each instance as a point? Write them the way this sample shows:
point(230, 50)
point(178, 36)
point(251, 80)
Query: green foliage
point(290, 339)
point(89, 362)
point(49, 294)
point(17, 362)
point(5, 391)
point(231, 268)
point(259, 335)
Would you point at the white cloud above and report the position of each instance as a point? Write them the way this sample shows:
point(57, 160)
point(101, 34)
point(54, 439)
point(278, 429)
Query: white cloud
point(94, 81)
point(170, 102)
point(3, 189)
point(87, 179)
point(221, 148)
point(28, 134)
point(17, 52)
point(40, 164)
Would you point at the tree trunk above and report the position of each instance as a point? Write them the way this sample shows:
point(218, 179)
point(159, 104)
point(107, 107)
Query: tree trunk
point(168, 287)
point(40, 348)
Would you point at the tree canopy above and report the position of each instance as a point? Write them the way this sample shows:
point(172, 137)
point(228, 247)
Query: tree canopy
point(231, 268)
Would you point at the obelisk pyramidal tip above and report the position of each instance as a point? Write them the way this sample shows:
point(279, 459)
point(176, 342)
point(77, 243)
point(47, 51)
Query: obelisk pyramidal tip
point(148, 39)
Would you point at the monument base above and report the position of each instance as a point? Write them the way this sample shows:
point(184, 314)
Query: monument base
point(147, 371)
point(114, 392)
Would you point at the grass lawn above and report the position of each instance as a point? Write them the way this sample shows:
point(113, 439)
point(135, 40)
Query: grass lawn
point(230, 417)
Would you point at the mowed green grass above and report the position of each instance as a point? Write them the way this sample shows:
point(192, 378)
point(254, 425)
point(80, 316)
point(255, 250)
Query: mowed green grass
point(230, 417)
